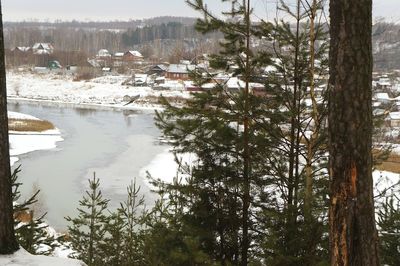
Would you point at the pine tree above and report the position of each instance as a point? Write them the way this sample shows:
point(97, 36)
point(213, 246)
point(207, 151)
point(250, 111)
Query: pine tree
point(113, 247)
point(8, 242)
point(131, 216)
point(353, 235)
point(293, 213)
point(230, 132)
point(32, 233)
point(166, 241)
point(389, 230)
point(87, 231)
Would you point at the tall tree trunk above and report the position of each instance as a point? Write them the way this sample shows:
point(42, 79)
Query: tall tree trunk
point(353, 235)
point(246, 145)
point(308, 199)
point(293, 175)
point(8, 243)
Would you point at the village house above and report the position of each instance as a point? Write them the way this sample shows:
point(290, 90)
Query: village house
point(42, 52)
point(19, 56)
point(42, 49)
point(103, 54)
point(383, 83)
point(158, 70)
point(132, 57)
point(381, 97)
point(393, 119)
point(103, 59)
point(117, 59)
point(179, 71)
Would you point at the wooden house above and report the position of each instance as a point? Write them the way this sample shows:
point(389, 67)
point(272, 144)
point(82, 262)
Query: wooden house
point(132, 56)
point(179, 71)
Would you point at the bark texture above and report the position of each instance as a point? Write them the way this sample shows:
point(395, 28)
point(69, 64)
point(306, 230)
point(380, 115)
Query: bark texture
point(353, 235)
point(8, 243)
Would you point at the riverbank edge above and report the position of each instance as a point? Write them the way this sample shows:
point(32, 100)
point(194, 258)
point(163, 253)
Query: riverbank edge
point(97, 106)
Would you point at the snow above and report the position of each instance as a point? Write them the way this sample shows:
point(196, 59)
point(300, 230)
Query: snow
point(25, 142)
point(106, 90)
point(394, 115)
point(384, 180)
point(23, 258)
point(15, 115)
point(382, 96)
point(103, 53)
point(164, 166)
point(135, 53)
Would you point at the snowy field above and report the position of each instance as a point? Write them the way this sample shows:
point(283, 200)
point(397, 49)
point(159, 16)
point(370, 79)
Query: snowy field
point(25, 142)
point(107, 90)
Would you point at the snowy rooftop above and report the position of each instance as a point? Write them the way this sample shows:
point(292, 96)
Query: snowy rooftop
point(180, 68)
point(135, 53)
point(394, 115)
point(382, 96)
point(42, 48)
point(23, 48)
point(103, 53)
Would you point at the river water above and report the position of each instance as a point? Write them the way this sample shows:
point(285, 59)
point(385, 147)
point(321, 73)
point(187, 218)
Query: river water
point(114, 144)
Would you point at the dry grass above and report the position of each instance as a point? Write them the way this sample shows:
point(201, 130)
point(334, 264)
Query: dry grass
point(84, 76)
point(392, 164)
point(29, 125)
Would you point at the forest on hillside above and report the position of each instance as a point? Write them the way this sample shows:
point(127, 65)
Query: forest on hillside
point(165, 33)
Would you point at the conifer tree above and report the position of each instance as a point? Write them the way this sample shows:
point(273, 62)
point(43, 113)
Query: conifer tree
point(32, 233)
point(167, 242)
point(353, 235)
point(113, 248)
point(87, 231)
point(8, 242)
point(131, 214)
point(389, 230)
point(295, 201)
point(230, 133)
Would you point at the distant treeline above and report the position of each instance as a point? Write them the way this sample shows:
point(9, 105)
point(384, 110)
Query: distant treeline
point(386, 43)
point(171, 30)
point(118, 36)
point(116, 24)
point(160, 32)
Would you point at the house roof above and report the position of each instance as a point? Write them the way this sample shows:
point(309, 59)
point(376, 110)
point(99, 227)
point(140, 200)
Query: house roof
point(42, 48)
point(382, 96)
point(180, 69)
point(22, 48)
point(135, 53)
point(103, 53)
point(394, 115)
point(119, 54)
point(161, 67)
point(94, 63)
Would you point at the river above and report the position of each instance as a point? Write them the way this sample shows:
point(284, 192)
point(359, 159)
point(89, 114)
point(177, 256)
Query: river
point(114, 144)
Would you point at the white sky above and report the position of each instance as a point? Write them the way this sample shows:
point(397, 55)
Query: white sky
point(18, 10)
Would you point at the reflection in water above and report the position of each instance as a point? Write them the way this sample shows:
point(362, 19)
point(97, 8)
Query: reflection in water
point(84, 111)
point(114, 144)
point(130, 112)
point(16, 107)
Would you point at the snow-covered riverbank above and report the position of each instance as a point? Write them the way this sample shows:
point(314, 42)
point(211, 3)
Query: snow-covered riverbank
point(107, 90)
point(29, 141)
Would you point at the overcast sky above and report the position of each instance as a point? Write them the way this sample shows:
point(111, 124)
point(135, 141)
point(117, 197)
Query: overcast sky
point(17, 10)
